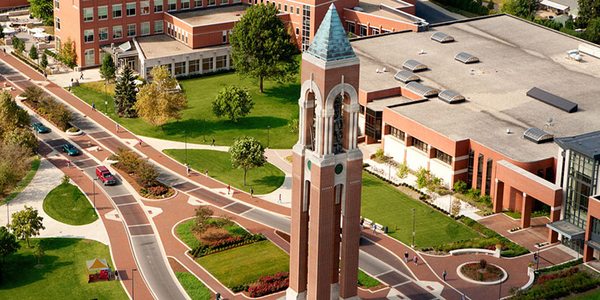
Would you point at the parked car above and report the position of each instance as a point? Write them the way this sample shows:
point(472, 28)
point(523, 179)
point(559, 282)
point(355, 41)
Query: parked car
point(104, 175)
point(40, 128)
point(70, 150)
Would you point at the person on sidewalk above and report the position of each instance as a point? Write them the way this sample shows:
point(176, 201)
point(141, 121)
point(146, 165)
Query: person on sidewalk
point(81, 76)
point(213, 142)
point(117, 127)
point(251, 192)
point(405, 256)
point(444, 275)
point(141, 143)
point(279, 201)
point(362, 223)
point(187, 169)
point(228, 189)
point(374, 226)
point(94, 106)
point(416, 260)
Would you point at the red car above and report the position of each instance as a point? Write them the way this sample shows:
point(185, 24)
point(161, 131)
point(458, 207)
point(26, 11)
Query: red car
point(104, 175)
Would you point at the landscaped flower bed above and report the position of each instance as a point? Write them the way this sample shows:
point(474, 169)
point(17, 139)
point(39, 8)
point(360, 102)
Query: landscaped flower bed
point(143, 173)
point(43, 104)
point(269, 284)
point(482, 271)
point(560, 284)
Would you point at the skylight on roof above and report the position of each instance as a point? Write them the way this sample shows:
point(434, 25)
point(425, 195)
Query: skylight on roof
point(406, 76)
point(421, 89)
point(413, 65)
point(451, 97)
point(537, 135)
point(441, 37)
point(466, 58)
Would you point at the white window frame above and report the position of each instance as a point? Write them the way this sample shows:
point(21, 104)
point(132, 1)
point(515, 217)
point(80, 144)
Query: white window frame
point(145, 25)
point(144, 5)
point(88, 14)
point(117, 28)
point(86, 55)
point(162, 26)
point(160, 5)
point(88, 36)
point(127, 8)
point(105, 8)
point(134, 30)
point(100, 31)
point(120, 6)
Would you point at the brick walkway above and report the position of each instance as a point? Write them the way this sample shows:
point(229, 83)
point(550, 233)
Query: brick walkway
point(528, 237)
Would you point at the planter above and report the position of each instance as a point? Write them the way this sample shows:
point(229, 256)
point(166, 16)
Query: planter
point(74, 133)
point(466, 275)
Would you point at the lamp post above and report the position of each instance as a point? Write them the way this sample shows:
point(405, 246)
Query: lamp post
point(132, 283)
point(105, 97)
point(268, 135)
point(413, 231)
point(185, 142)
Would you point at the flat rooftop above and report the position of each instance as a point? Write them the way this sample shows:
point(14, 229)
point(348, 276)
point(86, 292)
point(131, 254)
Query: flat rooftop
point(515, 56)
point(381, 8)
point(214, 15)
point(162, 45)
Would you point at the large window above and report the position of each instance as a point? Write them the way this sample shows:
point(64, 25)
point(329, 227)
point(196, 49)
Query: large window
point(224, 37)
point(158, 26)
point(117, 11)
point(88, 35)
point(351, 27)
point(581, 183)
point(443, 156)
point(417, 143)
point(172, 5)
point(194, 66)
point(102, 12)
point(103, 34)
point(470, 168)
point(130, 30)
point(179, 68)
point(57, 22)
point(363, 30)
point(158, 6)
point(117, 32)
point(479, 171)
point(207, 64)
point(211, 3)
point(488, 176)
point(221, 62)
point(397, 133)
point(305, 27)
point(145, 28)
point(185, 4)
point(197, 3)
point(374, 30)
point(89, 56)
point(57, 4)
point(144, 7)
point(88, 14)
point(131, 9)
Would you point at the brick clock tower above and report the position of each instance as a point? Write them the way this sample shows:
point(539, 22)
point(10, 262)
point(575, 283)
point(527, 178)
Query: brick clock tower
point(327, 170)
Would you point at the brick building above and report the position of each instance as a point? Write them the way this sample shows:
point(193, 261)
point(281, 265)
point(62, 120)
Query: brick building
point(98, 26)
point(482, 101)
point(9, 4)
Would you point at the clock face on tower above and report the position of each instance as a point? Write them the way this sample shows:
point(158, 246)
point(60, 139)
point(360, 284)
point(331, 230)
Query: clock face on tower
point(338, 169)
point(308, 165)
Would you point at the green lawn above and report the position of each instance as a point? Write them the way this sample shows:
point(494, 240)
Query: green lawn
point(194, 287)
point(274, 108)
point(35, 164)
point(245, 264)
point(388, 206)
point(366, 281)
point(67, 204)
point(63, 274)
point(264, 179)
point(184, 232)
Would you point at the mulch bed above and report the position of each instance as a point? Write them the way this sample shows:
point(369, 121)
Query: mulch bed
point(474, 272)
point(176, 266)
point(133, 182)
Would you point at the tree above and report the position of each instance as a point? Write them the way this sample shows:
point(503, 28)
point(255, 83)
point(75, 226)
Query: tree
point(26, 223)
point(490, 5)
point(18, 44)
point(11, 115)
point(592, 32)
point(67, 53)
point(247, 153)
point(33, 54)
point(402, 171)
point(125, 94)
point(21, 137)
point(460, 187)
point(233, 102)
point(147, 173)
point(42, 9)
point(203, 214)
point(588, 10)
point(107, 69)
point(38, 252)
point(44, 61)
point(8, 243)
point(160, 101)
point(520, 8)
point(14, 164)
point(261, 46)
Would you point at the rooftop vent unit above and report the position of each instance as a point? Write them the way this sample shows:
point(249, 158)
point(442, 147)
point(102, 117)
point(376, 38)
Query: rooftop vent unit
point(466, 58)
point(441, 37)
point(406, 76)
point(537, 135)
point(421, 89)
point(413, 65)
point(125, 46)
point(451, 97)
point(553, 100)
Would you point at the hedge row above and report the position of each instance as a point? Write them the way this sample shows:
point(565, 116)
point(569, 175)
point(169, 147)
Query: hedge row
point(574, 282)
point(204, 249)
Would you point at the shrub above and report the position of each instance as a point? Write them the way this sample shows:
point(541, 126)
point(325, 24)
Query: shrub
point(460, 187)
point(213, 234)
point(269, 284)
point(147, 175)
point(46, 106)
point(128, 160)
point(157, 190)
point(402, 171)
point(65, 179)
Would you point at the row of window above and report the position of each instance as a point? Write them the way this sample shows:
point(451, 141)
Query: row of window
point(364, 30)
point(179, 68)
point(117, 31)
point(439, 154)
point(131, 8)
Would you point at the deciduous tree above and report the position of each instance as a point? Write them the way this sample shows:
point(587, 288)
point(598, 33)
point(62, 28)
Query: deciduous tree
point(232, 102)
point(247, 153)
point(520, 8)
point(107, 69)
point(8, 243)
point(261, 46)
point(125, 94)
point(67, 53)
point(44, 61)
point(592, 31)
point(160, 101)
point(588, 10)
point(33, 54)
point(26, 223)
point(42, 9)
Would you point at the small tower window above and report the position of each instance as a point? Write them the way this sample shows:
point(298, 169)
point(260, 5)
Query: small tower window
point(338, 124)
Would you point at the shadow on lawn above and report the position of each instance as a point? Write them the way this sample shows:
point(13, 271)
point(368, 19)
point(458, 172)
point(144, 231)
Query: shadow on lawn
point(286, 93)
point(269, 181)
point(198, 127)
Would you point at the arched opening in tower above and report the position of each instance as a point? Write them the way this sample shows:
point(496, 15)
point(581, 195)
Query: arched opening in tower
point(338, 125)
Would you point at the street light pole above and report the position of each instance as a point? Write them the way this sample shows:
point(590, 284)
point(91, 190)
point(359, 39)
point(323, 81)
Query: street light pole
point(94, 191)
point(105, 97)
point(132, 284)
point(413, 231)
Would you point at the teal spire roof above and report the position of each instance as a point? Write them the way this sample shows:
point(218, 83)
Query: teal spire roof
point(331, 42)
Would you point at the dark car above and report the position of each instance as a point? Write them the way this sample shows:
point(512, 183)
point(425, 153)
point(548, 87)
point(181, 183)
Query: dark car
point(104, 175)
point(70, 150)
point(40, 128)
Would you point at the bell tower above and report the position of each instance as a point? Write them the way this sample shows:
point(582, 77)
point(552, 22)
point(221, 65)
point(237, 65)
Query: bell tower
point(327, 170)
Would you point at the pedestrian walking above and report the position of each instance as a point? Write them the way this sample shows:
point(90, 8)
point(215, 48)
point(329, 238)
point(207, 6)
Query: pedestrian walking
point(405, 256)
point(251, 192)
point(362, 223)
point(228, 189)
point(416, 260)
point(140, 142)
point(374, 226)
point(444, 275)
point(69, 87)
point(117, 127)
point(81, 76)
point(68, 163)
point(116, 275)
point(187, 169)
point(45, 75)
point(213, 142)
point(279, 201)
point(94, 106)
point(206, 172)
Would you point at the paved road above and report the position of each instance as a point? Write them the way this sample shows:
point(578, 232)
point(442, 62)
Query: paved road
point(432, 13)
